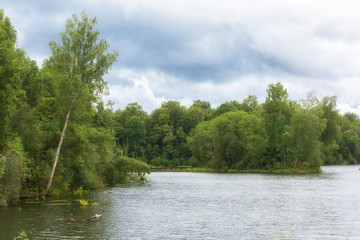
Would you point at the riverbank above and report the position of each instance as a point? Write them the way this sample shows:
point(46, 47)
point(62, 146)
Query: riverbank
point(213, 170)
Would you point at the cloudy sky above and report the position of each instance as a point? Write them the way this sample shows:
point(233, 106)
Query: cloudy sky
point(215, 51)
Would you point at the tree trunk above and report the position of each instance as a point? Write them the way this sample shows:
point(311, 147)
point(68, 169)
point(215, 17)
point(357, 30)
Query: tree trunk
point(284, 155)
point(58, 148)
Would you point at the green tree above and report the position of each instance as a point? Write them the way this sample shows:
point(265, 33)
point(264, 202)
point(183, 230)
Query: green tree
point(80, 62)
point(232, 140)
point(332, 130)
point(249, 104)
point(12, 169)
point(202, 104)
point(103, 117)
point(276, 115)
point(349, 146)
point(205, 106)
point(133, 110)
point(10, 58)
point(227, 107)
point(13, 69)
point(352, 117)
point(201, 142)
point(166, 128)
point(86, 155)
point(197, 114)
point(135, 131)
point(121, 118)
point(331, 114)
point(302, 138)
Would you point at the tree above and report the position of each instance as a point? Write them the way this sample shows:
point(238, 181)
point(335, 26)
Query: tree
point(9, 76)
point(121, 119)
point(226, 107)
point(331, 114)
point(232, 140)
point(135, 132)
point(249, 104)
point(332, 130)
point(352, 117)
point(201, 142)
point(80, 61)
point(204, 106)
point(197, 114)
point(302, 138)
point(349, 146)
point(13, 68)
point(276, 115)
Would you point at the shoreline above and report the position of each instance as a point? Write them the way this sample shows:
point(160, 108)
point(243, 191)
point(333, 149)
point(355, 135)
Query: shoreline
point(212, 170)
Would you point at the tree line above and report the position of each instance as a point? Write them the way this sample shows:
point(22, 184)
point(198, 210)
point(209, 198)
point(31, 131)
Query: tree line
point(56, 133)
point(277, 134)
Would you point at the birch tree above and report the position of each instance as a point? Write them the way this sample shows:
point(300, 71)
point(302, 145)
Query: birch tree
point(80, 61)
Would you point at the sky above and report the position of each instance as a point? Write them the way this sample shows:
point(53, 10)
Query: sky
point(215, 51)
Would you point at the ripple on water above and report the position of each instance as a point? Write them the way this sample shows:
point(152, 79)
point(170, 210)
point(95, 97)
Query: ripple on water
point(205, 206)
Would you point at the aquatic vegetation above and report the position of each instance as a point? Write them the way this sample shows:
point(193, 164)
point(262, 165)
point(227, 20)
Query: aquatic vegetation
point(137, 177)
point(83, 202)
point(80, 191)
point(22, 236)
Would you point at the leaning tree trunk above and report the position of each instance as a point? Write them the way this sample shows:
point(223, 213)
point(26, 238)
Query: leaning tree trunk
point(58, 148)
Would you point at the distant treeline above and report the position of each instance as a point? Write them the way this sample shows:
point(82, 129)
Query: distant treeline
point(278, 133)
point(100, 146)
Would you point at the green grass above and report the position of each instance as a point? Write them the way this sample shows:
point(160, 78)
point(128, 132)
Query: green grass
point(212, 170)
point(183, 169)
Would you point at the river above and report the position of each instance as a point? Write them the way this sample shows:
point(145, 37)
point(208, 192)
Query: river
point(181, 205)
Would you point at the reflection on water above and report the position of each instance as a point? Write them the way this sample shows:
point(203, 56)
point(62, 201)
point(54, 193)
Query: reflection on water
point(203, 206)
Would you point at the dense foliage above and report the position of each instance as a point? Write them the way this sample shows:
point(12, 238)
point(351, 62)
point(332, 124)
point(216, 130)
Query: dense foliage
point(102, 146)
point(35, 103)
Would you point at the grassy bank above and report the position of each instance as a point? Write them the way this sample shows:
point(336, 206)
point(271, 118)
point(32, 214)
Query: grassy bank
point(214, 170)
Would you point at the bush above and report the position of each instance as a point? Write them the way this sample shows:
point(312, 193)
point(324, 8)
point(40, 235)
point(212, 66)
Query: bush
point(159, 162)
point(241, 165)
point(12, 172)
point(123, 167)
point(194, 162)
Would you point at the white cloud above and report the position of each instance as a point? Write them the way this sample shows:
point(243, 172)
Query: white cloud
point(137, 90)
point(38, 58)
point(212, 50)
point(151, 88)
point(345, 108)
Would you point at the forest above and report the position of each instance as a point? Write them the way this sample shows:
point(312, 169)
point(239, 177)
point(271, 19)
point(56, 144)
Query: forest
point(57, 134)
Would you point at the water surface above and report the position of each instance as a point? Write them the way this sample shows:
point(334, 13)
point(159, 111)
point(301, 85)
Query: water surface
point(203, 206)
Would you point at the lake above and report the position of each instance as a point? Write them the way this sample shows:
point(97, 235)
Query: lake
point(181, 205)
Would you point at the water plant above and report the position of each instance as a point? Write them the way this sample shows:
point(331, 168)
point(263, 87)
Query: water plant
point(80, 191)
point(22, 236)
point(83, 202)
